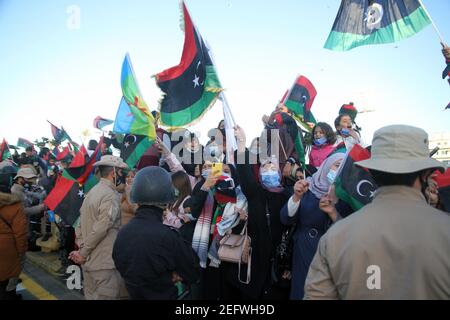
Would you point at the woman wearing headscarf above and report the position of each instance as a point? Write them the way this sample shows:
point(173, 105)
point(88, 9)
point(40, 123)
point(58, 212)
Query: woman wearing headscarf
point(313, 209)
point(266, 196)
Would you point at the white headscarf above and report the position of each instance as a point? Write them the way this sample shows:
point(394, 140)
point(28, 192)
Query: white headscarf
point(318, 183)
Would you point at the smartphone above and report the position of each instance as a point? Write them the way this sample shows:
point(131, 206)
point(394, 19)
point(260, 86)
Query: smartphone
point(216, 170)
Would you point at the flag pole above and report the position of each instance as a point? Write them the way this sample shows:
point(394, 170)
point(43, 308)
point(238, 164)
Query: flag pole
point(432, 22)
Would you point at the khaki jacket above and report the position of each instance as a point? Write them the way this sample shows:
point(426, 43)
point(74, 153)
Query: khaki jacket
point(98, 227)
point(397, 247)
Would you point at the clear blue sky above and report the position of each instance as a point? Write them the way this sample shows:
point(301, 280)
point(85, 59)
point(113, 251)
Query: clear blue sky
point(71, 76)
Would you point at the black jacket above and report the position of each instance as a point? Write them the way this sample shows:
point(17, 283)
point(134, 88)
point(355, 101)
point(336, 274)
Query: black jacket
point(146, 253)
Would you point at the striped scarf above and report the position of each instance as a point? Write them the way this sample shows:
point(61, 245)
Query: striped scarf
point(200, 240)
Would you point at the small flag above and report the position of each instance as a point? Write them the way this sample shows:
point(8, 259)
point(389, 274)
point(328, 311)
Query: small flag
point(100, 123)
point(58, 134)
point(364, 22)
point(80, 171)
point(63, 154)
point(133, 148)
point(354, 184)
point(300, 99)
point(133, 115)
point(192, 87)
point(5, 153)
point(447, 107)
point(24, 143)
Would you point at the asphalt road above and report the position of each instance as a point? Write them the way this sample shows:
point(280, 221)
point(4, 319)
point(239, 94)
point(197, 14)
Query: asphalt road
point(40, 285)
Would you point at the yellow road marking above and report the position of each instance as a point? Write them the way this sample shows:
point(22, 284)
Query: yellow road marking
point(35, 289)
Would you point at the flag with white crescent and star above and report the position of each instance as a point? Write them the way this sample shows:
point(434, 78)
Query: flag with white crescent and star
point(66, 200)
point(191, 87)
point(134, 146)
point(354, 184)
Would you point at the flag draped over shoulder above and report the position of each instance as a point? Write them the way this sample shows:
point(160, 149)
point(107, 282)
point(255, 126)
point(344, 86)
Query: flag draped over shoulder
point(191, 87)
point(5, 153)
point(133, 115)
point(354, 184)
point(100, 123)
point(300, 98)
point(363, 22)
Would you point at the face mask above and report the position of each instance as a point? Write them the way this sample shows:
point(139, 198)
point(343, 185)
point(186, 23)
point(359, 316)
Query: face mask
point(120, 179)
point(345, 132)
point(225, 174)
point(206, 173)
point(320, 141)
point(177, 192)
point(270, 179)
point(331, 176)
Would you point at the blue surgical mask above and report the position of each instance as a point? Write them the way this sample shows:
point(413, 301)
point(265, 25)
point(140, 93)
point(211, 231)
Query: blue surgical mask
point(345, 132)
point(206, 173)
point(270, 179)
point(177, 192)
point(225, 174)
point(331, 176)
point(320, 141)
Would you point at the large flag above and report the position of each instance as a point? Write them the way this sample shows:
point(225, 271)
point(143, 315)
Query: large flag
point(192, 87)
point(300, 99)
point(133, 148)
point(24, 143)
point(100, 123)
point(133, 115)
point(354, 184)
point(5, 153)
point(443, 181)
point(363, 22)
point(66, 199)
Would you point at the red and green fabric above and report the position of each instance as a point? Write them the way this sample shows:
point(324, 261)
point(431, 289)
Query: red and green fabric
point(80, 170)
point(133, 116)
point(363, 22)
point(354, 184)
point(133, 148)
point(300, 99)
point(5, 153)
point(66, 199)
point(192, 87)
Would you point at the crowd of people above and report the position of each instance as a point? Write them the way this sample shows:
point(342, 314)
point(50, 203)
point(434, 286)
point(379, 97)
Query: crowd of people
point(219, 228)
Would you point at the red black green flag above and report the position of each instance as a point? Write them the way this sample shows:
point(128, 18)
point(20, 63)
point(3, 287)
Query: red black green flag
point(363, 22)
point(66, 199)
point(80, 169)
point(133, 148)
point(24, 143)
point(5, 153)
point(191, 87)
point(354, 184)
point(443, 181)
point(300, 98)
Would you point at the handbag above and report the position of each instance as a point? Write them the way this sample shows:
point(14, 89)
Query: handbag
point(236, 248)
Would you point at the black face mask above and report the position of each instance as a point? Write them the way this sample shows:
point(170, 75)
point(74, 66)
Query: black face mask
point(424, 186)
point(120, 179)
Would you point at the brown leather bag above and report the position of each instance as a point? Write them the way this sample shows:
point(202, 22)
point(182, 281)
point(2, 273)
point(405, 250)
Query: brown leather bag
point(237, 248)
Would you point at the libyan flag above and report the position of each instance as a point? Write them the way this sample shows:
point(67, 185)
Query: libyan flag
point(300, 98)
point(134, 146)
point(354, 184)
point(5, 153)
point(192, 87)
point(66, 199)
point(363, 22)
